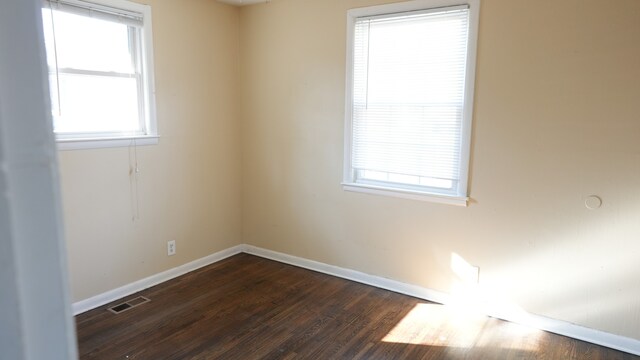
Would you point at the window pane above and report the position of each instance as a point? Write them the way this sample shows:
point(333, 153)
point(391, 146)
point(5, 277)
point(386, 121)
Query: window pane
point(96, 104)
point(87, 43)
point(408, 98)
point(98, 55)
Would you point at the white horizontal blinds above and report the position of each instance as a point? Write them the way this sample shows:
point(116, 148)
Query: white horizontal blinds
point(95, 72)
point(408, 96)
point(129, 18)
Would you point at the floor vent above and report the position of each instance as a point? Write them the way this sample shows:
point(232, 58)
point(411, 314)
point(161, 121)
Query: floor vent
point(128, 305)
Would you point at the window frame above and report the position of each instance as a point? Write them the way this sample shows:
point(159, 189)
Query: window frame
point(349, 182)
point(146, 104)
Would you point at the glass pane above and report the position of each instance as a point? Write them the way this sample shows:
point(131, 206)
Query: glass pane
point(87, 43)
point(420, 60)
point(96, 104)
point(408, 97)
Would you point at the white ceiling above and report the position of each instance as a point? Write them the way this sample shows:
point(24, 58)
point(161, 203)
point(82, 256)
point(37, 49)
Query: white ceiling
point(243, 2)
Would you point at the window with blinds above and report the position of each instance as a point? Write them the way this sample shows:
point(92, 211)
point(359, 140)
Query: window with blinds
point(409, 99)
point(100, 69)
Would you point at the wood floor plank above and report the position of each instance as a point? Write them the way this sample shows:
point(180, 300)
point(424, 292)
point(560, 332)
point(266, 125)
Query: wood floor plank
point(246, 307)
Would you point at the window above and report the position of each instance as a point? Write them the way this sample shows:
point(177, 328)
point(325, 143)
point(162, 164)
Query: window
point(100, 72)
point(409, 99)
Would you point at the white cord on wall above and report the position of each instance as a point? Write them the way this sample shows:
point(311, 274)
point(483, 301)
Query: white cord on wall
point(134, 174)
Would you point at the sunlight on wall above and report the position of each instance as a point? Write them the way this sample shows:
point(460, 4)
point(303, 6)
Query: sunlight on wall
point(463, 323)
point(466, 273)
point(468, 293)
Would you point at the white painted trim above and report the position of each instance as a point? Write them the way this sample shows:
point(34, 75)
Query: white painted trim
point(559, 327)
point(462, 188)
point(357, 276)
point(347, 168)
point(405, 194)
point(147, 91)
point(35, 306)
point(536, 321)
point(99, 143)
point(115, 294)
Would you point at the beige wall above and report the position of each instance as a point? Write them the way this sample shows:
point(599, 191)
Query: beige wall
point(556, 119)
point(189, 186)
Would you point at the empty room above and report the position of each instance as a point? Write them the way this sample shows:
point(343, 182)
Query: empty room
point(320, 179)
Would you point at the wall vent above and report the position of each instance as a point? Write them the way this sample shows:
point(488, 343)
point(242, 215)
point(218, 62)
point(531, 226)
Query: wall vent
point(128, 305)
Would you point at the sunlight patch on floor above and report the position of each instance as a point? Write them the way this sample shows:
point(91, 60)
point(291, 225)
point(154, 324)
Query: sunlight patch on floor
point(463, 323)
point(431, 324)
point(455, 326)
point(512, 336)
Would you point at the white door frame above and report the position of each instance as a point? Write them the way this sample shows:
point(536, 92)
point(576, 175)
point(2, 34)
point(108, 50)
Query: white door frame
point(35, 308)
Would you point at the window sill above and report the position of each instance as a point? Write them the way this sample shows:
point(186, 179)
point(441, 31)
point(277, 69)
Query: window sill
point(406, 194)
point(107, 142)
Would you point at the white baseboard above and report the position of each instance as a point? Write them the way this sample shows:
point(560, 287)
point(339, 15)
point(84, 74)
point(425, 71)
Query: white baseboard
point(115, 294)
point(357, 276)
point(535, 321)
point(564, 328)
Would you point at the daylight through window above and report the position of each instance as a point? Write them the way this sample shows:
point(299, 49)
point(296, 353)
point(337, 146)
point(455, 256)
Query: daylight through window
point(410, 97)
point(100, 71)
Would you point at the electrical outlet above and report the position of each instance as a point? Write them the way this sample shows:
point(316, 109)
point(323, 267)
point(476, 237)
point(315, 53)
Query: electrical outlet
point(171, 248)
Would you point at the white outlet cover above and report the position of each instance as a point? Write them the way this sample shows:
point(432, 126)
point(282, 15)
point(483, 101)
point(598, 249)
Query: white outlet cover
point(592, 202)
point(171, 247)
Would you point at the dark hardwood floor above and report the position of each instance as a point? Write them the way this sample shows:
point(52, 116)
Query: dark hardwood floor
point(246, 307)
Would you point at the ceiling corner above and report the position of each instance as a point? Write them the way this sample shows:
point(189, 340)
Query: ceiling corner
point(243, 2)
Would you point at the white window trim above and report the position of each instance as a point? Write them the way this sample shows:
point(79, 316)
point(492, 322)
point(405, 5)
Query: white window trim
point(106, 142)
point(349, 183)
point(405, 194)
point(151, 137)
